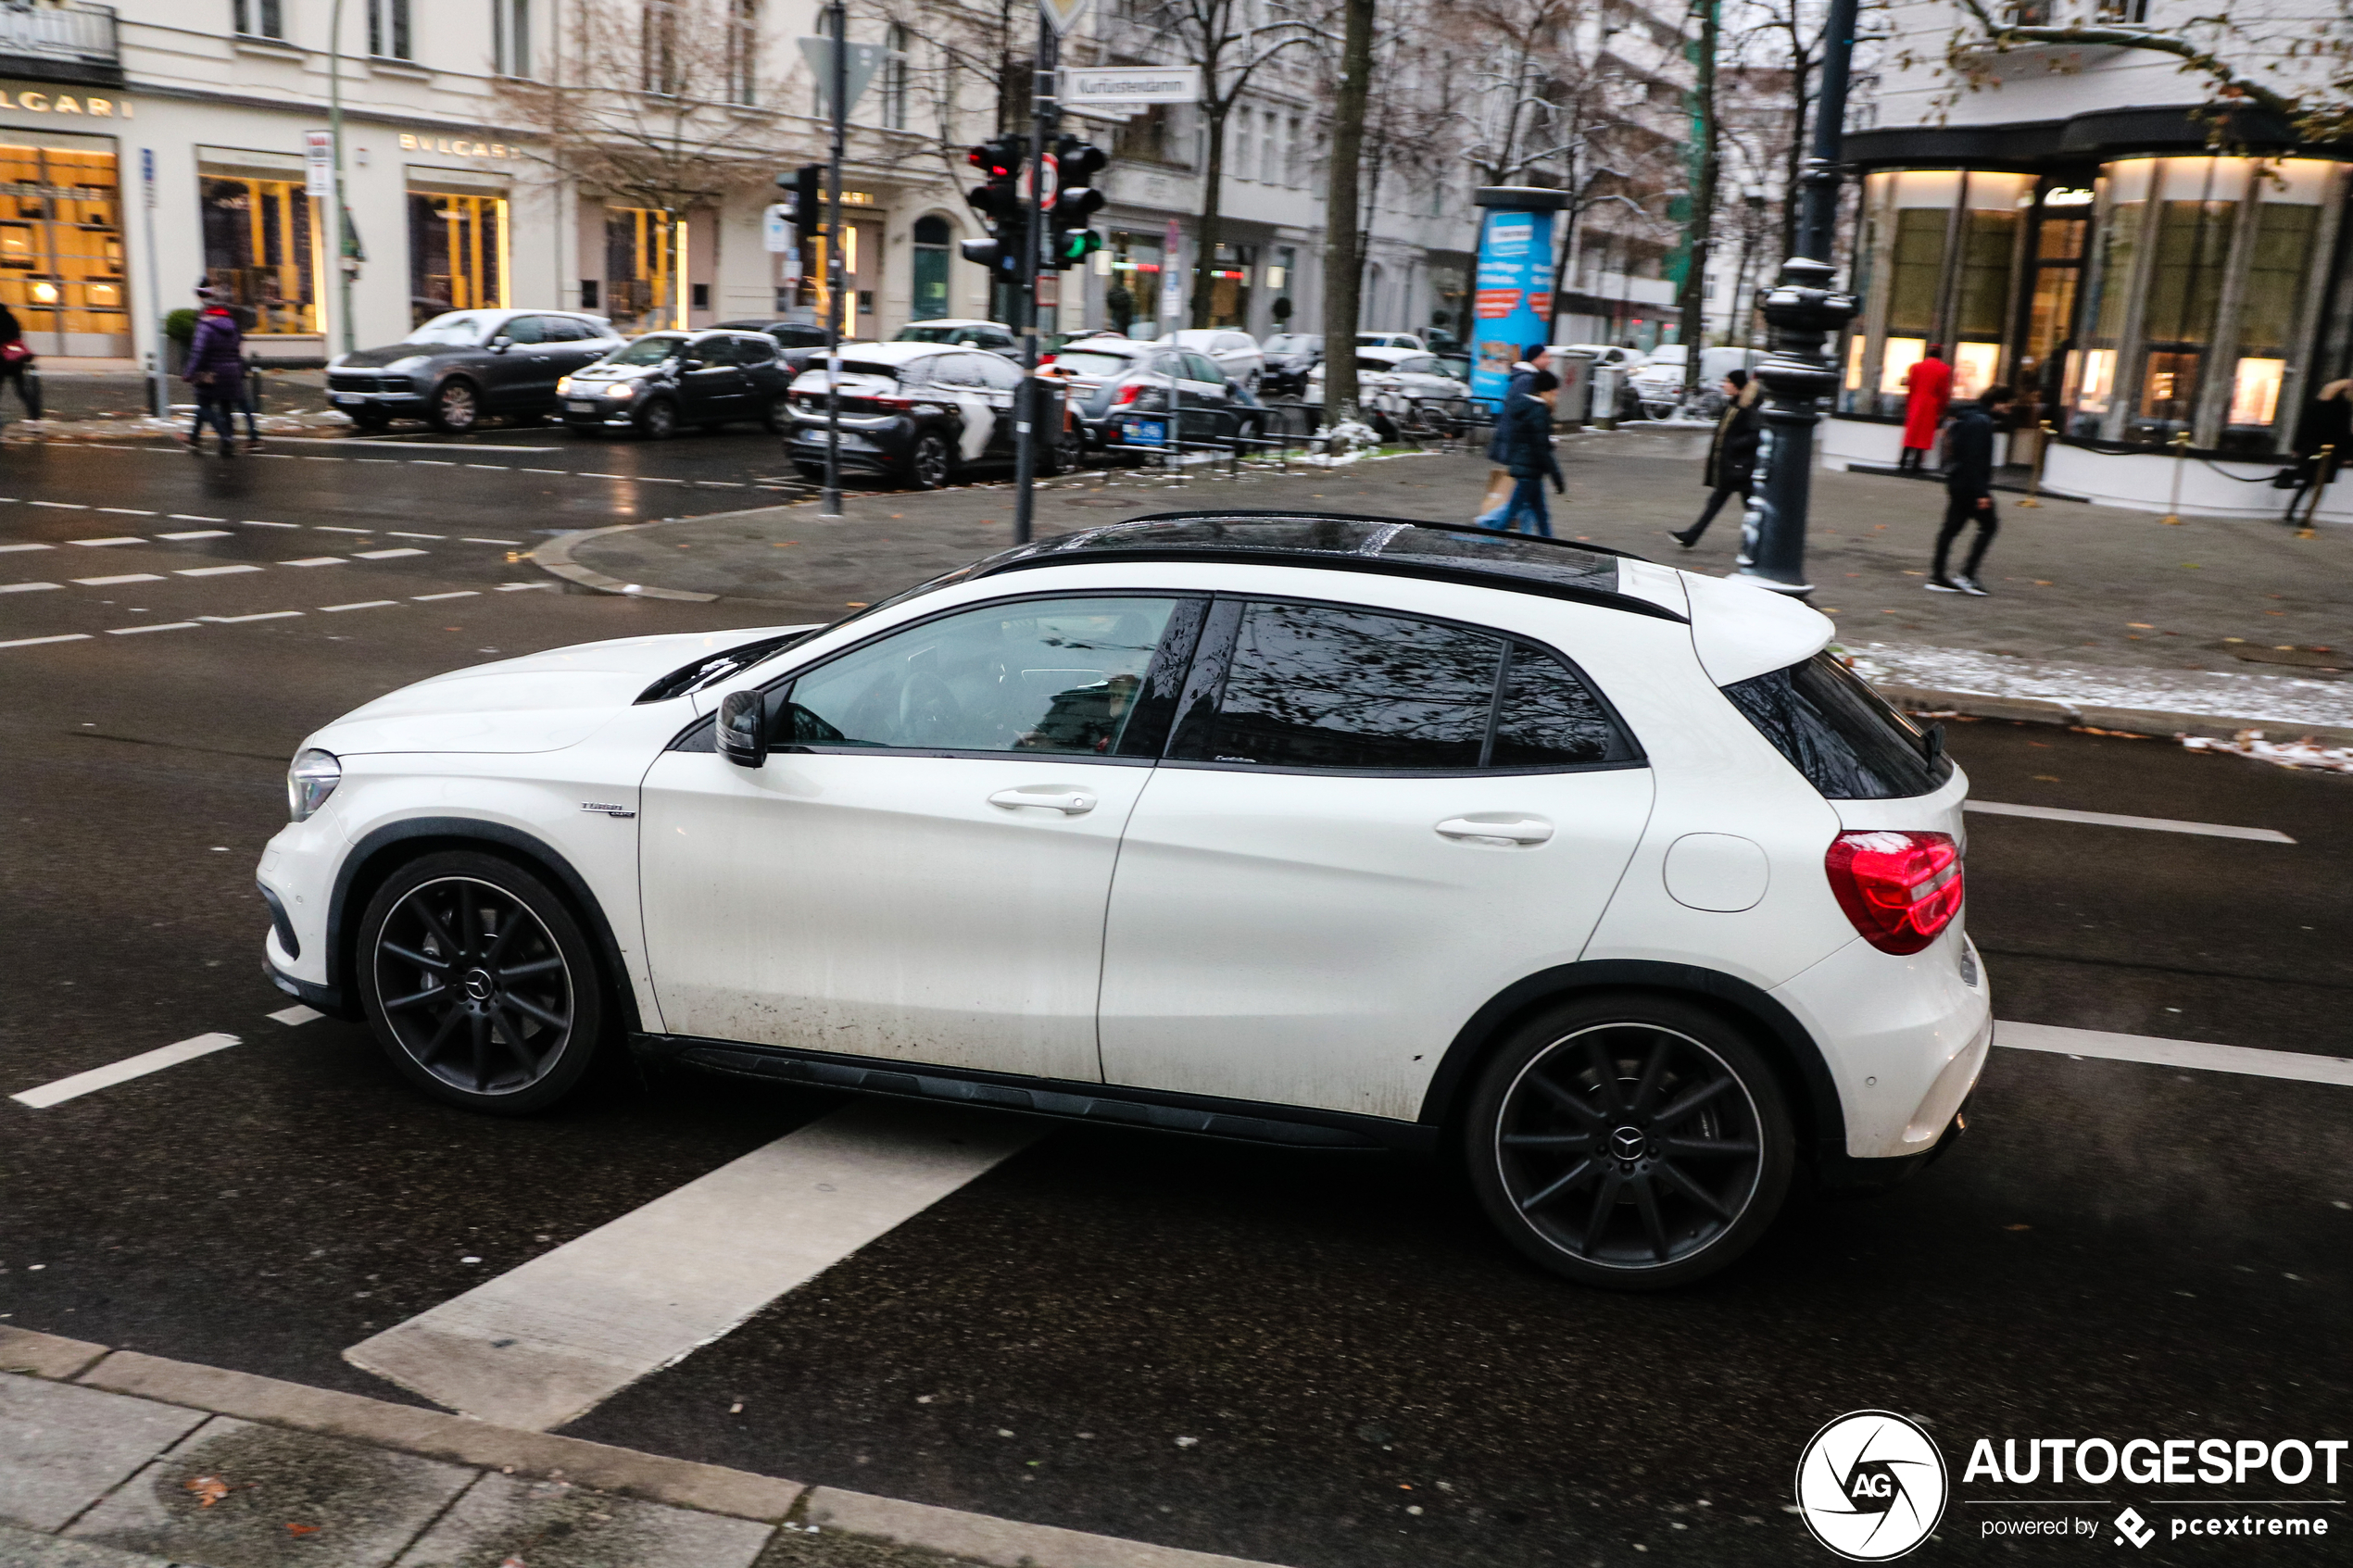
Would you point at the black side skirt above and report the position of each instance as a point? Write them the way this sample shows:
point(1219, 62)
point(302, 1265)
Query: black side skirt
point(1247, 1121)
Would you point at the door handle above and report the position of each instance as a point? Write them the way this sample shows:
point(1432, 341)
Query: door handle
point(1497, 827)
point(1052, 797)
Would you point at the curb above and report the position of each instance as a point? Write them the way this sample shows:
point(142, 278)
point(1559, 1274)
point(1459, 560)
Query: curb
point(555, 557)
point(677, 1483)
point(2128, 720)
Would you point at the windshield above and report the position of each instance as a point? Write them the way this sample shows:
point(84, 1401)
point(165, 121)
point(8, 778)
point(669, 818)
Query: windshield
point(937, 334)
point(465, 329)
point(1293, 343)
point(1080, 362)
point(647, 351)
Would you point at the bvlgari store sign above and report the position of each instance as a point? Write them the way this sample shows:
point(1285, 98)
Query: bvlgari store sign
point(41, 101)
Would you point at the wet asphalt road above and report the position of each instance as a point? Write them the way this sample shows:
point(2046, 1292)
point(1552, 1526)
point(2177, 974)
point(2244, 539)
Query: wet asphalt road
point(2115, 1249)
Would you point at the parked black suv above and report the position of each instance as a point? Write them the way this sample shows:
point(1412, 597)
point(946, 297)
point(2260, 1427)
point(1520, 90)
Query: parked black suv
point(799, 344)
point(921, 412)
point(665, 380)
point(462, 365)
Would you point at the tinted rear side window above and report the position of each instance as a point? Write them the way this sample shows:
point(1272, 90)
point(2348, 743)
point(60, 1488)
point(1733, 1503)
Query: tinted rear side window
point(1838, 732)
point(1550, 719)
point(1313, 686)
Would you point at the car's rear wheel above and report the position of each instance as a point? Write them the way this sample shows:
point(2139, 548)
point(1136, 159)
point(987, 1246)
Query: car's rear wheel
point(456, 406)
point(928, 467)
point(778, 416)
point(1631, 1141)
point(479, 982)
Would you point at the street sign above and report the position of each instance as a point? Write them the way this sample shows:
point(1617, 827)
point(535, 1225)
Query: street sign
point(777, 230)
point(862, 61)
point(1171, 281)
point(1131, 84)
point(1060, 15)
point(319, 148)
point(1054, 181)
point(147, 173)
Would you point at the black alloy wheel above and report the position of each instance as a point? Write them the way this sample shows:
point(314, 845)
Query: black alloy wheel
point(658, 420)
point(479, 982)
point(1631, 1141)
point(928, 466)
point(456, 406)
point(778, 419)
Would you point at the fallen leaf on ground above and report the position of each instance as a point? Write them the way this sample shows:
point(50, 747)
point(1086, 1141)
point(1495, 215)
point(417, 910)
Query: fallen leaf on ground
point(208, 1490)
point(2017, 1227)
point(294, 1529)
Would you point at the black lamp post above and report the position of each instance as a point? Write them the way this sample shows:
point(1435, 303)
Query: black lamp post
point(1804, 311)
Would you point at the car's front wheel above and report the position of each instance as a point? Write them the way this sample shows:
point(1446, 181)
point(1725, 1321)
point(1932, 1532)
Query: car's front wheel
point(928, 466)
point(658, 420)
point(456, 406)
point(1631, 1141)
point(479, 982)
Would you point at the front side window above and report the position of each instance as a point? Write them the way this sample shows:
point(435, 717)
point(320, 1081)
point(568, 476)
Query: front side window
point(1043, 676)
point(525, 329)
point(1840, 733)
point(646, 351)
point(461, 329)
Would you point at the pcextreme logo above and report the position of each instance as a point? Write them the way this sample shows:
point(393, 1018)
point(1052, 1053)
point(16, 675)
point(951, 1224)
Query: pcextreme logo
point(1871, 1486)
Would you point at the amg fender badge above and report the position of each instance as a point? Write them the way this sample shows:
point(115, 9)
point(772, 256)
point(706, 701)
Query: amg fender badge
point(606, 808)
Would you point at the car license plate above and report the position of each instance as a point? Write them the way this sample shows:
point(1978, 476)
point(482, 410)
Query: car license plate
point(1148, 432)
point(344, 398)
point(579, 408)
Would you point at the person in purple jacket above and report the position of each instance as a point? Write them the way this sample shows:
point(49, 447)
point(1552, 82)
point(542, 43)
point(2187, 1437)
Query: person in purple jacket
point(216, 368)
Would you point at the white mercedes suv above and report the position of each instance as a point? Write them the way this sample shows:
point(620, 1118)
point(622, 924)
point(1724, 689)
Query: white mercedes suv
point(1603, 878)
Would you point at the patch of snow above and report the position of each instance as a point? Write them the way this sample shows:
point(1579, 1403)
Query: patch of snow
point(2251, 745)
point(2204, 693)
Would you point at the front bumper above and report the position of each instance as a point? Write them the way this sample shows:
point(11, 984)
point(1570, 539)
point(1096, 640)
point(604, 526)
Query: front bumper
point(879, 447)
point(411, 402)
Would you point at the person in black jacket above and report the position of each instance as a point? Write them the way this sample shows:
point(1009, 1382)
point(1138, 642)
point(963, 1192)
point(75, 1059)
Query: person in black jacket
point(1528, 417)
point(1969, 490)
point(1731, 457)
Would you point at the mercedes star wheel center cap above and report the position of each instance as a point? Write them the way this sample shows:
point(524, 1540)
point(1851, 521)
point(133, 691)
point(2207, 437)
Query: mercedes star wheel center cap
point(479, 986)
point(1628, 1142)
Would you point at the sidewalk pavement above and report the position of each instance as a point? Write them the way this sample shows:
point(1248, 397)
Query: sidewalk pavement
point(118, 1459)
point(2098, 615)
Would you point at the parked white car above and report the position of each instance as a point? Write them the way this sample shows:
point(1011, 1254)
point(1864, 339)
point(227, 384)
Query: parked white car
point(1237, 354)
point(1659, 380)
point(1602, 878)
point(1390, 340)
point(1389, 378)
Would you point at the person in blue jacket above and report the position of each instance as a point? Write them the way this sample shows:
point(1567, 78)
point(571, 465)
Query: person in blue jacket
point(1527, 454)
point(216, 368)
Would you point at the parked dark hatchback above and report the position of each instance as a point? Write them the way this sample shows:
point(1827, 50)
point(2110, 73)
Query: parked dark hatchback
point(665, 380)
point(799, 343)
point(464, 365)
point(921, 413)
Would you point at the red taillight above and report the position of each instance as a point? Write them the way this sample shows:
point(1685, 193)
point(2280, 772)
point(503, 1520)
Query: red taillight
point(1127, 394)
point(1900, 889)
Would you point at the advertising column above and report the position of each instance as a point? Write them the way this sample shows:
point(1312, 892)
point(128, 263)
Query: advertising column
point(1511, 301)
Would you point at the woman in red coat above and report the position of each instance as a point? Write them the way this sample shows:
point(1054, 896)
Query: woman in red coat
point(1929, 387)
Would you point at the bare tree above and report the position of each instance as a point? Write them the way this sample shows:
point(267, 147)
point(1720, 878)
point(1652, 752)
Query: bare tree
point(1344, 266)
point(1231, 42)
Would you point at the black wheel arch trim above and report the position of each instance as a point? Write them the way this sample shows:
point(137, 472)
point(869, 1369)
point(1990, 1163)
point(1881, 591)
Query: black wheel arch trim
point(1063, 1100)
point(459, 833)
point(1817, 1092)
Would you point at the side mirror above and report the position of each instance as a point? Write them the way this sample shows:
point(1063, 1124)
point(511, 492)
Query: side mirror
point(743, 729)
point(500, 343)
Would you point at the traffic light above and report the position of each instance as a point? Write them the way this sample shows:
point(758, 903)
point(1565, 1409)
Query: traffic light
point(998, 200)
point(807, 187)
point(1077, 200)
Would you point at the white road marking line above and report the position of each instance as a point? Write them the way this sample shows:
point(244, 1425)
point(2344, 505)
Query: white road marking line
point(656, 479)
point(546, 471)
point(257, 522)
point(95, 544)
point(436, 599)
point(241, 619)
point(585, 475)
point(720, 483)
point(316, 560)
point(363, 604)
point(14, 547)
point(198, 533)
point(502, 468)
point(126, 577)
point(2175, 1053)
point(122, 1072)
point(397, 534)
point(394, 443)
point(296, 1014)
point(2109, 820)
point(431, 463)
point(67, 507)
point(27, 587)
point(158, 626)
point(212, 570)
point(522, 587)
point(331, 528)
point(129, 512)
point(549, 1340)
point(36, 642)
point(387, 555)
point(190, 516)
point(470, 540)
point(393, 460)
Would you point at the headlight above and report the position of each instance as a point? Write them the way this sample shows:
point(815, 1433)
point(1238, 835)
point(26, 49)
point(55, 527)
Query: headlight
point(621, 389)
point(563, 385)
point(309, 780)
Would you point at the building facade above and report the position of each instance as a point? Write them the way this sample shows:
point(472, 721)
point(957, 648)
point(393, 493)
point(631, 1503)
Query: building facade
point(2059, 219)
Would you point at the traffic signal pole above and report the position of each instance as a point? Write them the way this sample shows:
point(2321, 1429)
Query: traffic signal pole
point(831, 505)
point(1045, 112)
